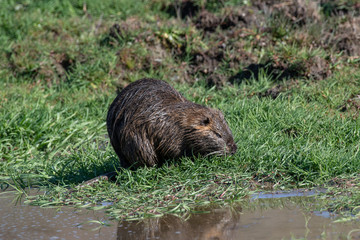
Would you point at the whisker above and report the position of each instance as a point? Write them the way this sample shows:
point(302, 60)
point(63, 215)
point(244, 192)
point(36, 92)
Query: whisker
point(219, 153)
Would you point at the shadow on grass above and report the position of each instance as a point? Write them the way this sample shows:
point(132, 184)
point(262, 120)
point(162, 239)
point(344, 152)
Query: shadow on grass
point(76, 172)
point(279, 73)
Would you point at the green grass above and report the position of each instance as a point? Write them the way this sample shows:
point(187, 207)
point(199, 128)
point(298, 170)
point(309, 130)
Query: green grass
point(59, 71)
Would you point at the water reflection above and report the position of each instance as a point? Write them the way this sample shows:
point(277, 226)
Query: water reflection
point(216, 225)
point(287, 194)
point(281, 220)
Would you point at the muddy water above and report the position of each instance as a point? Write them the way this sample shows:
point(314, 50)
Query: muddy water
point(288, 222)
point(21, 221)
point(280, 218)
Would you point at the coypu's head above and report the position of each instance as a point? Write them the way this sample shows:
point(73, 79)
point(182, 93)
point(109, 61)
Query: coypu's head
point(207, 133)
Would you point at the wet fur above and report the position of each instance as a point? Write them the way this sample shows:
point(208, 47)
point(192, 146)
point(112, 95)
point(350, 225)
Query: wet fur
point(149, 122)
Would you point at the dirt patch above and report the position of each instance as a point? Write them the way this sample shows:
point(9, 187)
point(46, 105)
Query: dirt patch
point(144, 57)
point(175, 42)
point(291, 132)
point(337, 35)
point(118, 31)
point(63, 63)
point(132, 60)
point(51, 69)
point(55, 33)
point(58, 67)
point(297, 12)
point(273, 92)
point(240, 21)
point(217, 41)
point(140, 49)
point(132, 29)
point(318, 68)
point(339, 8)
point(281, 88)
point(182, 8)
point(347, 37)
point(208, 21)
point(212, 44)
point(351, 106)
point(217, 80)
point(206, 62)
point(129, 59)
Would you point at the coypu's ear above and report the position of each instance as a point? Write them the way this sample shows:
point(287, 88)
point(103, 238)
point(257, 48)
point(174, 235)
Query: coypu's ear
point(205, 121)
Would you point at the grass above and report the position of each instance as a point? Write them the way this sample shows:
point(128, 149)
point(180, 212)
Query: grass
point(60, 68)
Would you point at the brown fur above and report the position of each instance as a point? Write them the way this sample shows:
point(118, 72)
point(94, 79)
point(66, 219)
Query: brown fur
point(149, 122)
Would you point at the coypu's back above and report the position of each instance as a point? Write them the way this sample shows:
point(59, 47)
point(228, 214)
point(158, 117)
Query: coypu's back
point(150, 122)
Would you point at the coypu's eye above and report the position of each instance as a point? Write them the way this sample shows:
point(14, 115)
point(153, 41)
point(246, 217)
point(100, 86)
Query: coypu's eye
point(205, 121)
point(218, 135)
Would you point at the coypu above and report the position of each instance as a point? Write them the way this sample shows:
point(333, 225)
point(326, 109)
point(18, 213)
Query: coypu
point(150, 122)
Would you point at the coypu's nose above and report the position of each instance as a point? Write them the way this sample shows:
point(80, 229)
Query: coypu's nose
point(232, 148)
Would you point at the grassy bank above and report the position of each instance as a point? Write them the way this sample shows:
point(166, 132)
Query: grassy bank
point(289, 94)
